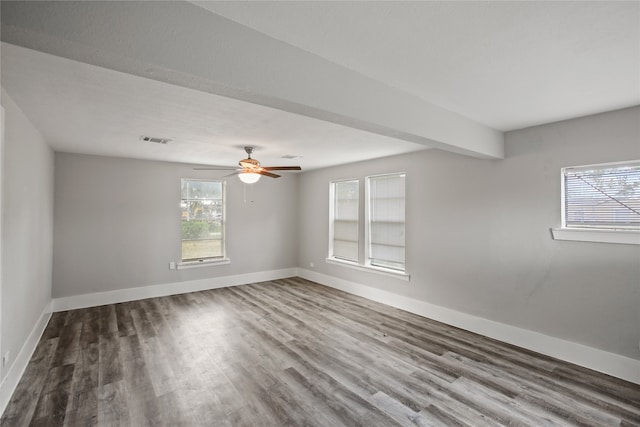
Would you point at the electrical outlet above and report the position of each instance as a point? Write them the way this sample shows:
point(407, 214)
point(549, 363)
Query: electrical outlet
point(172, 265)
point(5, 359)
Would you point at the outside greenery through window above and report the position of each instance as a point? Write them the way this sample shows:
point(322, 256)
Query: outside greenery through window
point(202, 205)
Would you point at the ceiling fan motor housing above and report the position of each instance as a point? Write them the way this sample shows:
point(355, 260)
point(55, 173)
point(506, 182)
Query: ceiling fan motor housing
point(249, 163)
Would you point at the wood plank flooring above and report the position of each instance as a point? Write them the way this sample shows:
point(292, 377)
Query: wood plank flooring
point(295, 353)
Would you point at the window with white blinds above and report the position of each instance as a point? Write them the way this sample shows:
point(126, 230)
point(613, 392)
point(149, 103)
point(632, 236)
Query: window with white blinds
point(386, 221)
point(602, 196)
point(344, 221)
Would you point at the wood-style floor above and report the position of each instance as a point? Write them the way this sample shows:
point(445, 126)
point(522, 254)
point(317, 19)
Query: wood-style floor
point(295, 353)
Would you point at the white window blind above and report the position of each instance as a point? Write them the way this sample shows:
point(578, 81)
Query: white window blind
point(345, 220)
point(386, 221)
point(202, 218)
point(602, 196)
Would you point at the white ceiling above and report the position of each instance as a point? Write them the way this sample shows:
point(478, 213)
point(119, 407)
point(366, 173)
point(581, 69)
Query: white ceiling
point(82, 108)
point(506, 65)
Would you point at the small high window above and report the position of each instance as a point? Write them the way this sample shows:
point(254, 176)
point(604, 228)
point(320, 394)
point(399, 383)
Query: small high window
point(602, 196)
point(601, 203)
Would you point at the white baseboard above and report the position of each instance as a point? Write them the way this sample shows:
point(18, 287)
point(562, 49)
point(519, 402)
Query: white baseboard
point(10, 382)
point(132, 294)
point(599, 360)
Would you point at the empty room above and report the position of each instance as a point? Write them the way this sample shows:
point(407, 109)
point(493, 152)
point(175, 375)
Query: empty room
point(320, 213)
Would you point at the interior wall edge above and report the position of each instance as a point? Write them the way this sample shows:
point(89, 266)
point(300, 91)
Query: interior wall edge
point(165, 289)
point(612, 364)
point(16, 370)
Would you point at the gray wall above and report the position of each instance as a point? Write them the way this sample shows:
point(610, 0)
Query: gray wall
point(27, 229)
point(117, 224)
point(478, 237)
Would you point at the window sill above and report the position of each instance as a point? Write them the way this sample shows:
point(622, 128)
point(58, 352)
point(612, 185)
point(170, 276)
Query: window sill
point(203, 263)
point(598, 235)
point(371, 269)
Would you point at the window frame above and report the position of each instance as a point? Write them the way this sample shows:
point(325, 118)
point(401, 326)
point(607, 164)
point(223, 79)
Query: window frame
point(367, 220)
point(621, 234)
point(361, 264)
point(332, 205)
point(213, 260)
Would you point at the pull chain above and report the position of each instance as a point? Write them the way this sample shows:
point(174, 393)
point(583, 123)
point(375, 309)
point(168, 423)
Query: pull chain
point(244, 189)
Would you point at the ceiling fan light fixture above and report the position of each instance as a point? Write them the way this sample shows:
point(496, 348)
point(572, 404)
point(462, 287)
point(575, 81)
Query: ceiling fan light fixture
point(250, 170)
point(249, 177)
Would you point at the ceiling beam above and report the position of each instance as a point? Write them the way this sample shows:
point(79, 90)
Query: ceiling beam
point(182, 44)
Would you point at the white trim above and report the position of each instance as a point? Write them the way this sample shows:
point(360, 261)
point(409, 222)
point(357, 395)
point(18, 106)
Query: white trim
point(396, 274)
point(202, 263)
point(2, 130)
point(603, 165)
point(598, 235)
point(152, 291)
point(579, 354)
point(11, 380)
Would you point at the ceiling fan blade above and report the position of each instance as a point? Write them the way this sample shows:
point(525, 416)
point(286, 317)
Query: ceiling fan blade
point(233, 173)
point(282, 168)
point(269, 174)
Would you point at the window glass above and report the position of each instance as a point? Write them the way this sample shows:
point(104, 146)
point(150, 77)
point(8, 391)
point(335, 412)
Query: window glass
point(386, 221)
point(602, 196)
point(344, 221)
point(202, 217)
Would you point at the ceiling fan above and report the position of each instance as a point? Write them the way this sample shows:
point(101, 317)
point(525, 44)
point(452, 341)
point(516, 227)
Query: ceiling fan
point(250, 170)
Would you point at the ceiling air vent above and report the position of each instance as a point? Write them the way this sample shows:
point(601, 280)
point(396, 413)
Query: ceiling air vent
point(290, 156)
point(154, 139)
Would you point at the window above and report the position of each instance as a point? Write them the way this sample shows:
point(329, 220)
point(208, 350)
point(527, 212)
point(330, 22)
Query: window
point(383, 225)
point(202, 205)
point(344, 241)
point(602, 196)
point(601, 203)
point(386, 221)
